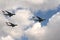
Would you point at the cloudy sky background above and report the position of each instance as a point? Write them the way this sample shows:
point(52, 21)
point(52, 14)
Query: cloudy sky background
point(28, 29)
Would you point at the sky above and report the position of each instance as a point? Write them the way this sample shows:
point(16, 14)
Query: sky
point(27, 29)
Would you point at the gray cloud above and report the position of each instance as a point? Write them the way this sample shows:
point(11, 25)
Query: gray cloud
point(33, 4)
point(36, 32)
point(50, 32)
point(53, 28)
point(21, 19)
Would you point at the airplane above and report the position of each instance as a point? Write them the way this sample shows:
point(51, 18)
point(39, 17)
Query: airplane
point(38, 19)
point(9, 13)
point(11, 24)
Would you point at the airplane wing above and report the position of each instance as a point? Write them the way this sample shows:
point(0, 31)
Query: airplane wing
point(8, 23)
point(4, 13)
point(38, 17)
point(8, 12)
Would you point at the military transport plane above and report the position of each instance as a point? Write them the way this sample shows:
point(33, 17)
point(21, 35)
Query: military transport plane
point(38, 19)
point(8, 13)
point(11, 24)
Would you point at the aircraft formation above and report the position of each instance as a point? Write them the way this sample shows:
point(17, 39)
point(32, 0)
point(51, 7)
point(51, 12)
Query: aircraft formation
point(7, 13)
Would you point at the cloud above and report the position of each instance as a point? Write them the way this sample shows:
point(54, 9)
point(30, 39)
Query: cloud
point(2, 24)
point(22, 19)
point(5, 30)
point(36, 1)
point(35, 28)
point(33, 4)
point(36, 32)
point(7, 38)
point(50, 32)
